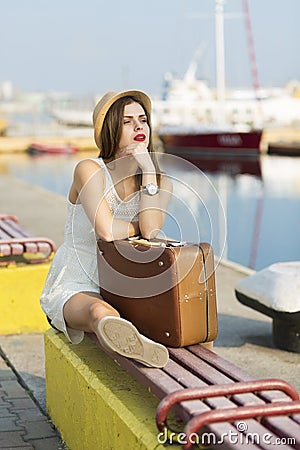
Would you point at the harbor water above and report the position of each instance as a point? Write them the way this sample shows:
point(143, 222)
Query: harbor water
point(250, 220)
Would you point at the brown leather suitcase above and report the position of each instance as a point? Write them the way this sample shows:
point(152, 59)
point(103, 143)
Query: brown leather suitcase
point(166, 289)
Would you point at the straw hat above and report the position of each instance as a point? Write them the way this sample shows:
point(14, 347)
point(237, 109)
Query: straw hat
point(106, 102)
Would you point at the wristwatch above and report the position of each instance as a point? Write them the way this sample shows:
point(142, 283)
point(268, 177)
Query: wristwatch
point(150, 189)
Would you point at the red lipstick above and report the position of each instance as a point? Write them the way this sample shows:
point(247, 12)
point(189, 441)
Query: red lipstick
point(140, 137)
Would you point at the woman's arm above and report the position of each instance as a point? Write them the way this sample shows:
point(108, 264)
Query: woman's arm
point(153, 208)
point(89, 183)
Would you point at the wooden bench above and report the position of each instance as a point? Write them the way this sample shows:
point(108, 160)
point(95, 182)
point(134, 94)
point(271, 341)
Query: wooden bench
point(18, 246)
point(214, 385)
point(83, 384)
point(24, 264)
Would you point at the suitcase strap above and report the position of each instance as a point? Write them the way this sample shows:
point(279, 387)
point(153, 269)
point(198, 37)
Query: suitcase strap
point(207, 293)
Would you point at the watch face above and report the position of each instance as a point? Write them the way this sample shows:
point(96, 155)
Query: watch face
point(152, 189)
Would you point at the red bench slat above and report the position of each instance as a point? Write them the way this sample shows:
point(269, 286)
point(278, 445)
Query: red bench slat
point(17, 242)
point(5, 249)
point(17, 249)
point(31, 247)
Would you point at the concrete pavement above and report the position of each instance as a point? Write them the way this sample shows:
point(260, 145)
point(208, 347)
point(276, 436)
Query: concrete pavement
point(245, 336)
point(23, 425)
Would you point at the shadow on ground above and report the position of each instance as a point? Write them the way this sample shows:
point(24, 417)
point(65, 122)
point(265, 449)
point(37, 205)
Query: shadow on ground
point(237, 331)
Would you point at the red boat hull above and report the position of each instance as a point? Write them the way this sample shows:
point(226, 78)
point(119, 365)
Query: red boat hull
point(234, 152)
point(48, 149)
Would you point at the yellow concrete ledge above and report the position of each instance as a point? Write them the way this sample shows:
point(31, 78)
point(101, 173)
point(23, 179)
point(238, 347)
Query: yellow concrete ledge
point(93, 402)
point(21, 287)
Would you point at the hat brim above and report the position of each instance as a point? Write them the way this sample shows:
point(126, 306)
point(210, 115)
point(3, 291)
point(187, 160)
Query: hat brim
point(102, 108)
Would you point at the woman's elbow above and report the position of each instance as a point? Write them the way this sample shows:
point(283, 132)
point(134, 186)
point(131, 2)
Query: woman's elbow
point(104, 235)
point(151, 235)
point(150, 232)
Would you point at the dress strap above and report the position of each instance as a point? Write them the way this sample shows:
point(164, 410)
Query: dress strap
point(109, 181)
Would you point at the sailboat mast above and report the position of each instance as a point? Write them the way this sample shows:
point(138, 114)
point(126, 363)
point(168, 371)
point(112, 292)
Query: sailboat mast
point(220, 55)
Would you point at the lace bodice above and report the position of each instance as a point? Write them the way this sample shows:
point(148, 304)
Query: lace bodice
point(126, 210)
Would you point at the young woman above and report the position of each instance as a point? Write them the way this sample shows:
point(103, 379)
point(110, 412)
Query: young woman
point(117, 195)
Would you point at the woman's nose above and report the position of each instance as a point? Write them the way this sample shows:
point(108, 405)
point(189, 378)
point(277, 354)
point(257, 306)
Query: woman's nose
point(138, 125)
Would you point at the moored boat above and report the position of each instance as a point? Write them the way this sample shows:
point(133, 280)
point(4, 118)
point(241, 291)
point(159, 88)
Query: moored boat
point(51, 149)
point(234, 152)
point(282, 148)
point(232, 143)
point(211, 141)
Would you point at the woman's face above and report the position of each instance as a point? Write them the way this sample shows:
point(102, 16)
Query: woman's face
point(135, 127)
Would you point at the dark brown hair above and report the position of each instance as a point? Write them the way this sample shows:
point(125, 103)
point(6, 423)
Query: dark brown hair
point(112, 130)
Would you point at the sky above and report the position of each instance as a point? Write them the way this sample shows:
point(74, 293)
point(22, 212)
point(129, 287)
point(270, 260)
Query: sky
point(87, 47)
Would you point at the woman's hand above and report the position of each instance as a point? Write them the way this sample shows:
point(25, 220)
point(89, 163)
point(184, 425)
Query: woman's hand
point(139, 152)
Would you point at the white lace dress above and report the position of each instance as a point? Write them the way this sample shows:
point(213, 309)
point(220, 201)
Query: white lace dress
point(74, 266)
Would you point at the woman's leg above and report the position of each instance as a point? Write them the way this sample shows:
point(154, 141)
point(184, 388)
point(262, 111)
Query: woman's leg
point(83, 311)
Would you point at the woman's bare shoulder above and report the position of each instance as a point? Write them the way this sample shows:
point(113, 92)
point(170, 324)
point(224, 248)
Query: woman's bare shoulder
point(87, 167)
point(87, 172)
point(88, 164)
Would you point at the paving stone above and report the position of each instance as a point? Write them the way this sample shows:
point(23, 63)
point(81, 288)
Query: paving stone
point(4, 403)
point(18, 448)
point(53, 443)
point(4, 412)
point(12, 439)
point(13, 389)
point(28, 415)
point(39, 429)
point(9, 424)
point(22, 403)
point(6, 374)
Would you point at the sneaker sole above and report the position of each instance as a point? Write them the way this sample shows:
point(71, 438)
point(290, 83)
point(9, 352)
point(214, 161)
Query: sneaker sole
point(122, 337)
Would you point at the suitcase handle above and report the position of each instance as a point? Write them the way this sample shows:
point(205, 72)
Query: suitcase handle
point(157, 243)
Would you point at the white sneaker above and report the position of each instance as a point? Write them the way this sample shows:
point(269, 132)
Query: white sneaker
point(120, 336)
